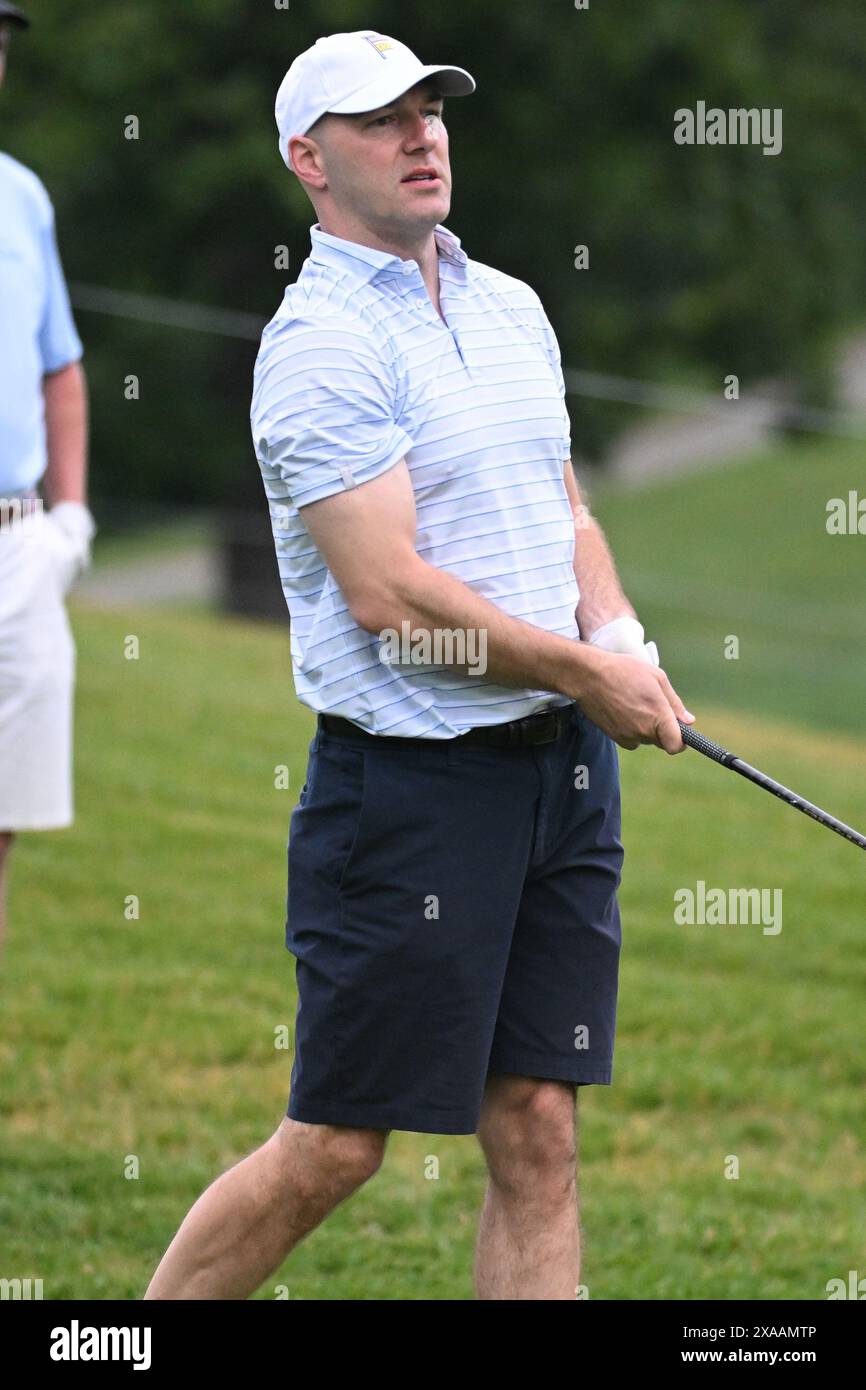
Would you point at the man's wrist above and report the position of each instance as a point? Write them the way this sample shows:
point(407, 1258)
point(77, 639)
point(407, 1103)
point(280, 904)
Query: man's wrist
point(574, 670)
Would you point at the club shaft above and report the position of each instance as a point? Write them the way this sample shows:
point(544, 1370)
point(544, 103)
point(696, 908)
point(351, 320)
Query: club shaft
point(798, 802)
point(693, 739)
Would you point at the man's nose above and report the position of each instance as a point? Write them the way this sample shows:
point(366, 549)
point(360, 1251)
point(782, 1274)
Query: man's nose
point(425, 130)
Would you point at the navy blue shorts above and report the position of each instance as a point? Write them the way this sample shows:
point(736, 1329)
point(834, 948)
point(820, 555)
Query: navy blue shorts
point(453, 913)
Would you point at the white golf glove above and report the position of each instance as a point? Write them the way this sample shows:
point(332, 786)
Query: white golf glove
point(626, 636)
point(70, 529)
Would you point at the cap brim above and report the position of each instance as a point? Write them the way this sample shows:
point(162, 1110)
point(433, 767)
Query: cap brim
point(453, 82)
point(10, 15)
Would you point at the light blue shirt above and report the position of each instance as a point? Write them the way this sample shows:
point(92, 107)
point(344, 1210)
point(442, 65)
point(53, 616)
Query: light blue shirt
point(356, 371)
point(37, 332)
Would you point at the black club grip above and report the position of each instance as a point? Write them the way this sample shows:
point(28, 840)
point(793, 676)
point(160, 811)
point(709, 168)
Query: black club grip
point(702, 744)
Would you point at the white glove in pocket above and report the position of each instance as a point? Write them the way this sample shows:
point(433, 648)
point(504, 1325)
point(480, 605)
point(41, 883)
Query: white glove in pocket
point(68, 530)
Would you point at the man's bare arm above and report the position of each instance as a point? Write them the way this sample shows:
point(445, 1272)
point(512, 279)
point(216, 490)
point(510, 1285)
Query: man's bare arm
point(367, 538)
point(601, 594)
point(66, 435)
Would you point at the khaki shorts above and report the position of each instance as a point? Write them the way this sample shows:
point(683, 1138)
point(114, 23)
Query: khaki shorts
point(37, 677)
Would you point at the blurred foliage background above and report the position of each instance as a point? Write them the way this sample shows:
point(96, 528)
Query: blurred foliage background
point(704, 261)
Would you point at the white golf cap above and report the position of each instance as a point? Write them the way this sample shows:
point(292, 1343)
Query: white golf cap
point(348, 73)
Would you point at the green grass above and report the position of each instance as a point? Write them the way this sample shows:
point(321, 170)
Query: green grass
point(743, 550)
point(155, 1037)
point(150, 542)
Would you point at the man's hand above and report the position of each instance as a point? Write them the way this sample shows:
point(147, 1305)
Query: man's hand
point(632, 702)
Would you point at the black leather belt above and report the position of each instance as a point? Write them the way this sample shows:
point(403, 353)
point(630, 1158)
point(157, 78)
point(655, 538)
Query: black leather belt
point(543, 727)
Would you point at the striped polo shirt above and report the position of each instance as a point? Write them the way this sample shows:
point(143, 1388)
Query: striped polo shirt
point(356, 371)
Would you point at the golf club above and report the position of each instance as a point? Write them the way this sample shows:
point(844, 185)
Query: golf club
point(705, 745)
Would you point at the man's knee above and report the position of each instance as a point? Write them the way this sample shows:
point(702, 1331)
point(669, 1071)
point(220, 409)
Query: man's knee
point(528, 1129)
point(356, 1152)
point(350, 1155)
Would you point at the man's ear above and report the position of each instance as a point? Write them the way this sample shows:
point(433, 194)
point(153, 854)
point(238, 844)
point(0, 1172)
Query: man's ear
point(308, 161)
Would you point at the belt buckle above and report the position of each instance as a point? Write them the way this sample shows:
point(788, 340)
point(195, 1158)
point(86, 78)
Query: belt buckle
point(530, 731)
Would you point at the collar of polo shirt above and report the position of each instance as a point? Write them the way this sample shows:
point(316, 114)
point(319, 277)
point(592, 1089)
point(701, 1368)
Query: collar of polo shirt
point(365, 262)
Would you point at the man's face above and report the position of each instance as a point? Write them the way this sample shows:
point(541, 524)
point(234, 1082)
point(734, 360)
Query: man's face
point(367, 158)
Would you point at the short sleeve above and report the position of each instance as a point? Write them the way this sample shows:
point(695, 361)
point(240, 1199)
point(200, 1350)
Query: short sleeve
point(59, 343)
point(323, 414)
point(554, 357)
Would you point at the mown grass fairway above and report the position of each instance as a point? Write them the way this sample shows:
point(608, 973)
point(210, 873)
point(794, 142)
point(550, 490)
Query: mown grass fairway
point(744, 551)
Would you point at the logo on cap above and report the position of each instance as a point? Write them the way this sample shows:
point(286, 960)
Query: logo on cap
point(381, 46)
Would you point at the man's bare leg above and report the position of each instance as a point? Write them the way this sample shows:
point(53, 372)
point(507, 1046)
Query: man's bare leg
point(243, 1226)
point(529, 1233)
point(6, 838)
